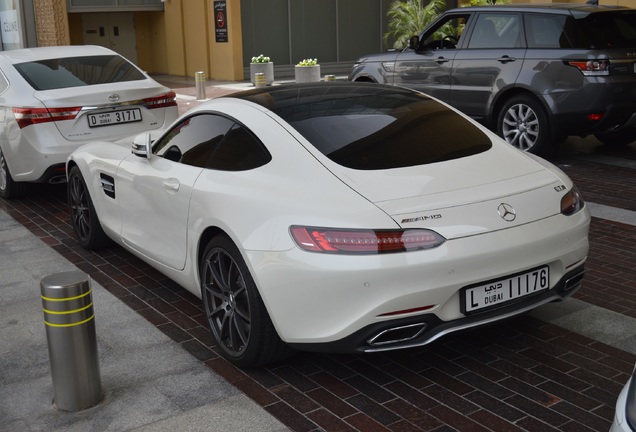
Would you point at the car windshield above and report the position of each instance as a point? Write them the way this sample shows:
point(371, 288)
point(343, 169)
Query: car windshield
point(67, 72)
point(371, 127)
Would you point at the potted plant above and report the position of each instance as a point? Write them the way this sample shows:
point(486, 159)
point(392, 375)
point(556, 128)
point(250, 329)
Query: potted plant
point(307, 70)
point(262, 64)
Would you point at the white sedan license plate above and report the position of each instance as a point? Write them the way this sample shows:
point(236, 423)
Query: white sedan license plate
point(504, 290)
point(114, 117)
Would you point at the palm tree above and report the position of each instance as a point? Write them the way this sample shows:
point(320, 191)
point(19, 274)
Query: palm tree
point(409, 18)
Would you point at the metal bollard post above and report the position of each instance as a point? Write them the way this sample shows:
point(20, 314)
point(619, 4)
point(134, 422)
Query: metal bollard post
point(70, 331)
point(259, 80)
point(199, 79)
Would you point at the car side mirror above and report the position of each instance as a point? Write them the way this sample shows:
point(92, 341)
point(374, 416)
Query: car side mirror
point(141, 145)
point(414, 42)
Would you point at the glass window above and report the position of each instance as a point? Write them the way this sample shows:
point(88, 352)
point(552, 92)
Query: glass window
point(446, 34)
point(495, 31)
point(78, 71)
point(603, 31)
point(372, 127)
point(212, 141)
point(546, 31)
point(193, 141)
point(239, 151)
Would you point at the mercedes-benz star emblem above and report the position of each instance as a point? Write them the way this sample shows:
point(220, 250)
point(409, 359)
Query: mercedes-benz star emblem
point(506, 212)
point(114, 97)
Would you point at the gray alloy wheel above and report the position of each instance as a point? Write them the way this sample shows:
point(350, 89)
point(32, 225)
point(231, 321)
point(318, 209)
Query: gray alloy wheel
point(90, 234)
point(523, 123)
point(234, 309)
point(8, 187)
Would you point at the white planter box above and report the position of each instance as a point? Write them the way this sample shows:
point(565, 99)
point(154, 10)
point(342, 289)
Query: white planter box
point(307, 73)
point(265, 68)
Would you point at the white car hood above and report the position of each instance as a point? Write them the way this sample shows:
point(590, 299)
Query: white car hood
point(461, 197)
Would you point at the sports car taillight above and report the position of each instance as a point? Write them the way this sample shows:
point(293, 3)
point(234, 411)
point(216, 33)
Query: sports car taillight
point(163, 101)
point(29, 116)
point(363, 241)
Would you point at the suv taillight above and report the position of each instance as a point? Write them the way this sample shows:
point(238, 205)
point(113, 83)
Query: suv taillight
point(591, 67)
point(163, 101)
point(29, 116)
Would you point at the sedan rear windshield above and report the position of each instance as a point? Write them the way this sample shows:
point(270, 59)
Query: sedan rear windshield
point(373, 127)
point(78, 71)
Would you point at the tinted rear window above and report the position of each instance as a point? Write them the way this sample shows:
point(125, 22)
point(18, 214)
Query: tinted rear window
point(372, 127)
point(595, 31)
point(78, 71)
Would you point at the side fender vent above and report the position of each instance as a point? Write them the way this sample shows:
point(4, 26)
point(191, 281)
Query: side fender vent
point(108, 185)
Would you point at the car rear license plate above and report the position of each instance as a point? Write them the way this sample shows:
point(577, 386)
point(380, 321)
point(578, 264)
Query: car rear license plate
point(499, 292)
point(114, 117)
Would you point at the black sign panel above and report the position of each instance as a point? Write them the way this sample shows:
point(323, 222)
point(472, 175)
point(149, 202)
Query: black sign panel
point(220, 21)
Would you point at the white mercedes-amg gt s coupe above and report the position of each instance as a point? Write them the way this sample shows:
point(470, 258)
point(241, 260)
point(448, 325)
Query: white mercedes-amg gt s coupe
point(335, 217)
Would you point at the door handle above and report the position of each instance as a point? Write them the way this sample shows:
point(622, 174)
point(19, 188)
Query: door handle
point(506, 59)
point(441, 60)
point(171, 184)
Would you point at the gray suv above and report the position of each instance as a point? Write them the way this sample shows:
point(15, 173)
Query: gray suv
point(535, 74)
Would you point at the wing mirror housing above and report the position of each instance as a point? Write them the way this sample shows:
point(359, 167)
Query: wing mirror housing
point(142, 145)
point(414, 42)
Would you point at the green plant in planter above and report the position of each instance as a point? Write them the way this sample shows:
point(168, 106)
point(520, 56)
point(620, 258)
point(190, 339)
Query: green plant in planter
point(261, 59)
point(308, 62)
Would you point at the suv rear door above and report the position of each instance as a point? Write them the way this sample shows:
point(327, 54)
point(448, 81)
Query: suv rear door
point(490, 61)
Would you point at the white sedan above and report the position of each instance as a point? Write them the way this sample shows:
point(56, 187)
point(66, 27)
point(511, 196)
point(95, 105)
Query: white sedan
point(54, 99)
point(336, 217)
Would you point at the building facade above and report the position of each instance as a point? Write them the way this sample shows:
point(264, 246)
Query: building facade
point(182, 37)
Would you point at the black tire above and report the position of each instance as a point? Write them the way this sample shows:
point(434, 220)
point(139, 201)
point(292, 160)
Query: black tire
point(621, 137)
point(86, 225)
point(524, 124)
point(9, 188)
point(235, 312)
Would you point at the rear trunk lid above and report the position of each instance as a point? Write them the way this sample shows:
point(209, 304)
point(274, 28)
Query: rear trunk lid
point(109, 111)
point(494, 190)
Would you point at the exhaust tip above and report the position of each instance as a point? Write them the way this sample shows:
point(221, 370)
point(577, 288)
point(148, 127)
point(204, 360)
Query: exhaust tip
point(397, 334)
point(57, 180)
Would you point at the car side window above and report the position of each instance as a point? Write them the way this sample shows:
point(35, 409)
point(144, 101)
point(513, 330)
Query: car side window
point(446, 33)
point(496, 31)
point(546, 31)
point(240, 150)
point(194, 140)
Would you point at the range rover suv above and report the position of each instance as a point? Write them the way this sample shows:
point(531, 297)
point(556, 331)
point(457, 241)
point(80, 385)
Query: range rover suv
point(535, 74)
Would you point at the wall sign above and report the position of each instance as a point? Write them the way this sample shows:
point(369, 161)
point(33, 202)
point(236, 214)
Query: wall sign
point(220, 21)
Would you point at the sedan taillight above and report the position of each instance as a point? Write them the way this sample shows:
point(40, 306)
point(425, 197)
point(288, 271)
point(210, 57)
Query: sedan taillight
point(163, 101)
point(29, 116)
point(364, 241)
